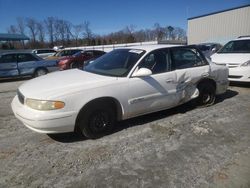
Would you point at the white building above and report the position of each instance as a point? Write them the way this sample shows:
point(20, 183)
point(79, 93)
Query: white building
point(219, 26)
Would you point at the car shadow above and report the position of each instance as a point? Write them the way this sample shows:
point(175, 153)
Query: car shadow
point(2, 80)
point(191, 105)
point(67, 137)
point(240, 84)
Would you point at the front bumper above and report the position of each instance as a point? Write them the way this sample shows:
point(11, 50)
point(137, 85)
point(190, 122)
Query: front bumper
point(47, 122)
point(239, 74)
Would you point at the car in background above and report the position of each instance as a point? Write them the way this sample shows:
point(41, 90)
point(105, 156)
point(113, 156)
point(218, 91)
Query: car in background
point(236, 56)
point(208, 49)
point(57, 48)
point(121, 84)
point(77, 60)
point(43, 53)
point(18, 64)
point(62, 53)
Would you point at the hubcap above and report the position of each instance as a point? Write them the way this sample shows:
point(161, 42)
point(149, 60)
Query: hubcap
point(206, 98)
point(99, 121)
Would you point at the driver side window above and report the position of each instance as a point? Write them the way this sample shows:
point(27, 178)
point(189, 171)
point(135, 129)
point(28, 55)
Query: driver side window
point(157, 61)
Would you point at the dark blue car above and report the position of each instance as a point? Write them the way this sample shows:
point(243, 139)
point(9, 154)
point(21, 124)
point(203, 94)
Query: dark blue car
point(18, 64)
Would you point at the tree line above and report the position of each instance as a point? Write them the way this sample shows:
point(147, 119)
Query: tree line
point(54, 31)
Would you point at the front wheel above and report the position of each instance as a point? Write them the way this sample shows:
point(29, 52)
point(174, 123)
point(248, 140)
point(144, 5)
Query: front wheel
point(206, 94)
point(97, 121)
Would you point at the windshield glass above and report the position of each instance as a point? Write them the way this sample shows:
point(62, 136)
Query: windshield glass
point(77, 54)
point(116, 63)
point(239, 46)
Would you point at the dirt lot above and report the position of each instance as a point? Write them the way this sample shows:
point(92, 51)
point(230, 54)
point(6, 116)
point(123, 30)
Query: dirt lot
point(181, 147)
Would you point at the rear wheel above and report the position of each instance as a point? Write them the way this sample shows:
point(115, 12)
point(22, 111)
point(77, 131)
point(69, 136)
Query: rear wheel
point(206, 94)
point(96, 121)
point(40, 72)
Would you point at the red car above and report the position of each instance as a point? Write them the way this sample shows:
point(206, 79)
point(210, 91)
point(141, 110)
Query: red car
point(77, 60)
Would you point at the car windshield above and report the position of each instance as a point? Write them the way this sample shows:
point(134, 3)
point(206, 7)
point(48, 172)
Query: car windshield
point(116, 63)
point(77, 54)
point(203, 47)
point(239, 46)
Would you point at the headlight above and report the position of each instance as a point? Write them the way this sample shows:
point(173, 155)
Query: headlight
point(44, 105)
point(247, 63)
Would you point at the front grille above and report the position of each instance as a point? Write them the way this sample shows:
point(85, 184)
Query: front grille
point(20, 97)
point(232, 65)
point(235, 77)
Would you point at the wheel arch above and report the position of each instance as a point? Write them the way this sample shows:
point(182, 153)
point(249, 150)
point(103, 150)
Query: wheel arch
point(39, 68)
point(110, 100)
point(207, 80)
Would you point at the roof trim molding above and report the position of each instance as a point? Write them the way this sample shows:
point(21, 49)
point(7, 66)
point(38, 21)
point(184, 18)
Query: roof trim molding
point(204, 15)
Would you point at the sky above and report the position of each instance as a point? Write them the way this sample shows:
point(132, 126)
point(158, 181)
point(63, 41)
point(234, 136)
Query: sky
point(107, 16)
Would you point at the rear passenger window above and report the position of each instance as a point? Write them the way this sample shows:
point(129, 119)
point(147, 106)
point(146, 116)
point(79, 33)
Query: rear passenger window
point(26, 57)
point(187, 58)
point(156, 61)
point(10, 58)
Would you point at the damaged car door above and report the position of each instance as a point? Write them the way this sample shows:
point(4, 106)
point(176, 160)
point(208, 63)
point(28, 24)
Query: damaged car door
point(8, 65)
point(156, 90)
point(190, 67)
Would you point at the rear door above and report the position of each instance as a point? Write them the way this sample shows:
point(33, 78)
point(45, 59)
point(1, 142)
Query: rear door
point(8, 65)
point(27, 63)
point(190, 67)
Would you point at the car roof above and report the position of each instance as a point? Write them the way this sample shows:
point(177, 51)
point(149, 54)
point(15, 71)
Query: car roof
point(44, 49)
point(5, 53)
point(150, 47)
point(242, 38)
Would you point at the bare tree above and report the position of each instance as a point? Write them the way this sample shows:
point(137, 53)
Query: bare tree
point(49, 23)
point(31, 23)
point(179, 33)
point(170, 31)
point(41, 31)
point(159, 31)
point(21, 25)
point(12, 29)
point(87, 33)
point(76, 32)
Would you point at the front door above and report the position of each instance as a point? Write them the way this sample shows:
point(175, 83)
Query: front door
point(154, 92)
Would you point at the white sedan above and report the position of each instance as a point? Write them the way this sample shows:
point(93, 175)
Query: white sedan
point(121, 84)
point(236, 55)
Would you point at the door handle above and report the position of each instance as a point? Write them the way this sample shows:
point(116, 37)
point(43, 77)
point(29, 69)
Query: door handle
point(205, 74)
point(169, 81)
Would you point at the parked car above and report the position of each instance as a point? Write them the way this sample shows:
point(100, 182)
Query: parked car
point(57, 48)
point(208, 49)
point(77, 60)
point(17, 64)
point(43, 53)
point(236, 56)
point(62, 53)
point(121, 84)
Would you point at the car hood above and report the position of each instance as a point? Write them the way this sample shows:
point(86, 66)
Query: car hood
point(230, 58)
point(61, 83)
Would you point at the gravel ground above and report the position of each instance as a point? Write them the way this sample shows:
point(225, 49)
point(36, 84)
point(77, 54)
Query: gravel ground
point(181, 147)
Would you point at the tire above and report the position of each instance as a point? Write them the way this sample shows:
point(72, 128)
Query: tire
point(40, 72)
point(206, 94)
point(96, 121)
point(73, 65)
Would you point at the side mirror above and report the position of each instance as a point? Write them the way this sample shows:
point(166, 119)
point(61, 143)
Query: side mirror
point(142, 72)
point(214, 50)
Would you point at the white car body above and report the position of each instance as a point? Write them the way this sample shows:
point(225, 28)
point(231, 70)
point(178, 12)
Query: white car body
point(134, 95)
point(44, 53)
point(235, 61)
